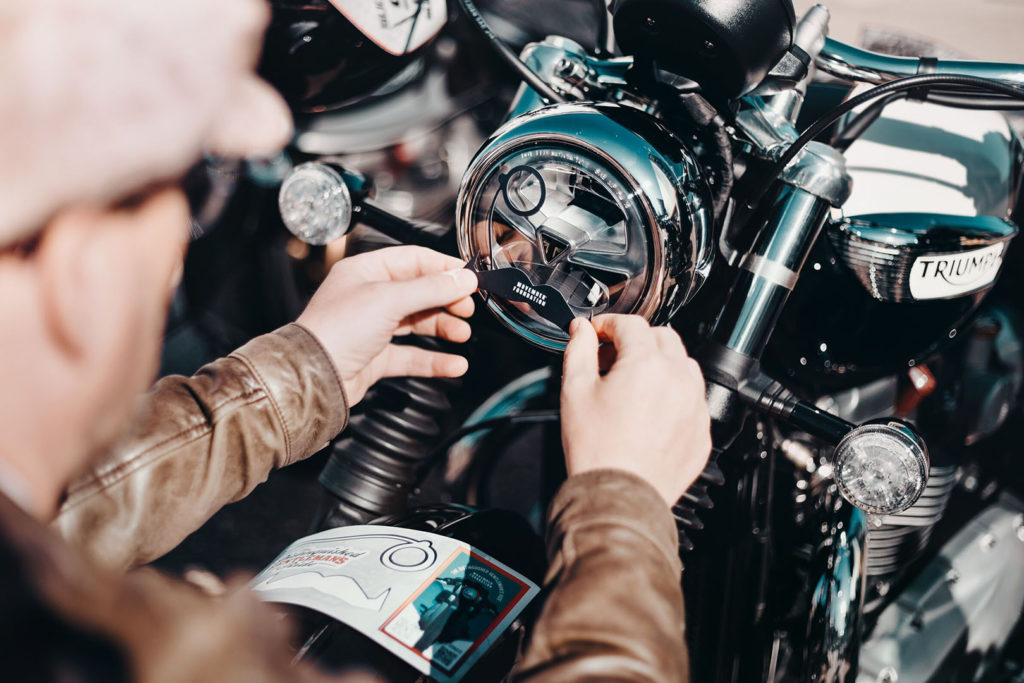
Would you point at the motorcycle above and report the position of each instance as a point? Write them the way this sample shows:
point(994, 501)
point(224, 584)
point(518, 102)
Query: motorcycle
point(831, 230)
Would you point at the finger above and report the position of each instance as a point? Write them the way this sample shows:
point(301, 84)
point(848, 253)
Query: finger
point(256, 123)
point(436, 323)
point(606, 358)
point(409, 297)
point(669, 341)
point(412, 361)
point(463, 308)
point(630, 333)
point(580, 363)
point(403, 263)
point(693, 367)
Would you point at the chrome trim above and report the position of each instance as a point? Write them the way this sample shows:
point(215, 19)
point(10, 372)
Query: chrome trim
point(820, 170)
point(880, 249)
point(767, 128)
point(833, 625)
point(965, 603)
point(854, 64)
point(770, 270)
point(664, 178)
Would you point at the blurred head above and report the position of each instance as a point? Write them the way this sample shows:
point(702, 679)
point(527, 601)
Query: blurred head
point(82, 308)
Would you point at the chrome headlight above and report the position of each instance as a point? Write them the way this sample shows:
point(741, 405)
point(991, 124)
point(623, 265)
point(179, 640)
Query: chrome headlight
point(881, 466)
point(597, 203)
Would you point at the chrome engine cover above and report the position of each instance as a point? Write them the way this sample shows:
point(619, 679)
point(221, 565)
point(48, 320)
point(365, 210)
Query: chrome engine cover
point(963, 606)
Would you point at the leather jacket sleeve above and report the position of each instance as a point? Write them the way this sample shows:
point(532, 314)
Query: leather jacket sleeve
point(614, 604)
point(201, 442)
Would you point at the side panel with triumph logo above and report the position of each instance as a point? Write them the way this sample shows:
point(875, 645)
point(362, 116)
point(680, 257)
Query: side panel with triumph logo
point(946, 275)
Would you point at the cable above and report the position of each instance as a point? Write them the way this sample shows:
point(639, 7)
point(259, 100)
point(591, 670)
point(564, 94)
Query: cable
point(602, 28)
point(959, 99)
point(525, 417)
point(724, 166)
point(862, 121)
point(896, 86)
point(969, 102)
point(529, 76)
point(712, 132)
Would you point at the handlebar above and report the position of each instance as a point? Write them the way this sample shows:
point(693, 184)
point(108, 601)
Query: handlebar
point(854, 64)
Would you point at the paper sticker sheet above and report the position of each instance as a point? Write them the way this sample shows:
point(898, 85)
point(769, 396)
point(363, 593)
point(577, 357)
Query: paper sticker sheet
point(396, 26)
point(435, 602)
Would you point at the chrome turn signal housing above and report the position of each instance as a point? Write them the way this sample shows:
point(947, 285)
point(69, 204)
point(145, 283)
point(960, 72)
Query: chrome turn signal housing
point(315, 203)
point(881, 466)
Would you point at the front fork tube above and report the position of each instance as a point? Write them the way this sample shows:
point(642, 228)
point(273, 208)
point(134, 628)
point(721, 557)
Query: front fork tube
point(769, 272)
point(766, 279)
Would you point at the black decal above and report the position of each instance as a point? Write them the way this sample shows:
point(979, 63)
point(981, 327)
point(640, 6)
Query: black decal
point(516, 174)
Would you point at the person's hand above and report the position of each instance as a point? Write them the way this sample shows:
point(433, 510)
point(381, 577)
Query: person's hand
point(368, 299)
point(105, 97)
point(646, 415)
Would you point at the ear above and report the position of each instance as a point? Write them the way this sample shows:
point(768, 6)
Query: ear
point(68, 259)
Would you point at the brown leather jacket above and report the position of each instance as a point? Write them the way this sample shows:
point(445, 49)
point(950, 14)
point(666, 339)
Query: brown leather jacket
point(613, 605)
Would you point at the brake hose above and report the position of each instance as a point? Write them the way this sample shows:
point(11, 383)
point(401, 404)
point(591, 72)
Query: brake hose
point(859, 124)
point(886, 89)
point(528, 75)
point(995, 103)
point(601, 7)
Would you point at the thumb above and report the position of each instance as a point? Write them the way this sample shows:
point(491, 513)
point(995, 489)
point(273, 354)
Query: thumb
point(580, 363)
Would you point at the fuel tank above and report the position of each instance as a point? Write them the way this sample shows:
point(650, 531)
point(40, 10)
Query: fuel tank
point(922, 240)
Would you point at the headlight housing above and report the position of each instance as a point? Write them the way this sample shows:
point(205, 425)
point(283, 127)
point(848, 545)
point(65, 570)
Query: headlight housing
point(599, 202)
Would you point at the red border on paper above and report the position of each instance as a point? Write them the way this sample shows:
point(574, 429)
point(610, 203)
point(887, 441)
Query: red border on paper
point(490, 629)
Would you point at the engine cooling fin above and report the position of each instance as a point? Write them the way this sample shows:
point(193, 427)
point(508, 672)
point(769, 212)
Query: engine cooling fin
point(696, 498)
point(902, 537)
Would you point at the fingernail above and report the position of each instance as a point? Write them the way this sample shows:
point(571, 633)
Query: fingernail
point(574, 326)
point(465, 279)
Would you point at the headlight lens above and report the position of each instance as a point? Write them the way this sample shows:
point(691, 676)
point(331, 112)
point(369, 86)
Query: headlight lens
point(600, 203)
point(881, 467)
point(315, 203)
point(561, 217)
